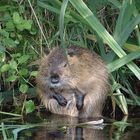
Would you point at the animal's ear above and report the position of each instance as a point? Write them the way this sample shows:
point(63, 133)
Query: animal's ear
point(71, 52)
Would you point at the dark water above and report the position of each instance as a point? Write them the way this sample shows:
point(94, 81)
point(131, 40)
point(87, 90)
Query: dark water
point(66, 128)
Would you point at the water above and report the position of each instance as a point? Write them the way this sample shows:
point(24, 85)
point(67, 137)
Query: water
point(55, 127)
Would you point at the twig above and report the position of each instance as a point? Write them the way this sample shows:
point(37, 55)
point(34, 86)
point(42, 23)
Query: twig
point(11, 114)
point(39, 24)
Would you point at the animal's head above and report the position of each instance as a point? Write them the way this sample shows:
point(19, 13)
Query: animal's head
point(59, 65)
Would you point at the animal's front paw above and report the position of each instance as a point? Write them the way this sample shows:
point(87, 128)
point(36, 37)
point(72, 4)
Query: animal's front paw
point(60, 99)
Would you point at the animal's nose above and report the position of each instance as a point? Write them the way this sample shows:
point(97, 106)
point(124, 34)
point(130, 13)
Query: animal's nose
point(54, 78)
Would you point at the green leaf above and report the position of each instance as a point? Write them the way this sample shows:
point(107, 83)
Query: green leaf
point(23, 88)
point(125, 33)
point(8, 42)
point(123, 61)
point(49, 7)
point(23, 72)
point(116, 3)
point(22, 9)
point(96, 4)
point(27, 24)
point(2, 49)
point(137, 4)
point(29, 106)
point(120, 98)
point(34, 73)
point(12, 78)
point(121, 102)
point(4, 33)
point(20, 27)
point(61, 21)
point(4, 68)
point(131, 47)
point(4, 131)
point(15, 55)
point(10, 26)
point(2, 54)
point(13, 64)
point(16, 18)
point(23, 59)
point(125, 14)
point(21, 23)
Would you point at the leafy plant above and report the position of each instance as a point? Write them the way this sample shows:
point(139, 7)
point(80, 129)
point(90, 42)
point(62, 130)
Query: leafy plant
point(16, 51)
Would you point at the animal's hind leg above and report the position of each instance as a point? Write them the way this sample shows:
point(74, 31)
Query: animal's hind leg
point(79, 96)
point(92, 106)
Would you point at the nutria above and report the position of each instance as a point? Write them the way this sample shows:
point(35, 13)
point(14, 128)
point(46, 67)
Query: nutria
point(73, 82)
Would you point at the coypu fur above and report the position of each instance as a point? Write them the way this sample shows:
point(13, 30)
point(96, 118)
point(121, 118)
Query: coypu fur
point(73, 83)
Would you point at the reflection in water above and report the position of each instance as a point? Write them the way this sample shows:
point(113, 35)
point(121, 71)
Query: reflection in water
point(88, 134)
point(132, 135)
point(77, 133)
point(66, 128)
point(54, 130)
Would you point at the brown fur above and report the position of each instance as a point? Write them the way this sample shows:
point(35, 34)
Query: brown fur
point(85, 72)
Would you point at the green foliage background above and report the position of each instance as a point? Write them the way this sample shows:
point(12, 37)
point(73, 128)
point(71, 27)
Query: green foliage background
point(29, 28)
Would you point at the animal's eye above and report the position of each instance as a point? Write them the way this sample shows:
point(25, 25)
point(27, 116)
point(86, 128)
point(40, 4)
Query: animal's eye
point(71, 53)
point(65, 64)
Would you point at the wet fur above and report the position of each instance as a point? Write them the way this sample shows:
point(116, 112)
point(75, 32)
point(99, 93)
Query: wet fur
point(84, 82)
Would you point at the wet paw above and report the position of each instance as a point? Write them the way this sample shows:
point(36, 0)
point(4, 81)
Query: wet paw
point(60, 99)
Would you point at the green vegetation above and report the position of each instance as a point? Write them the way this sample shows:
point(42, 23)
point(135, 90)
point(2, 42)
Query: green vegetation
point(29, 28)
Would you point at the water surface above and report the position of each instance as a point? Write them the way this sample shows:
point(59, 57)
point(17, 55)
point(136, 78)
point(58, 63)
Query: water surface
point(55, 127)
